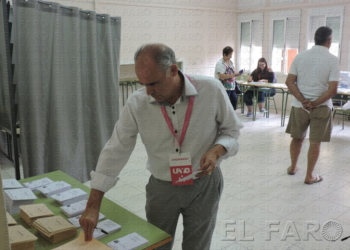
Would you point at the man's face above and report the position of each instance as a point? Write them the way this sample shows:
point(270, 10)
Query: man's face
point(159, 84)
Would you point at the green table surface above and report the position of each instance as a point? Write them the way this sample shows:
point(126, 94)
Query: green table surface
point(130, 222)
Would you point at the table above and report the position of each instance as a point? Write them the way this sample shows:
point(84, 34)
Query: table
point(130, 222)
point(281, 86)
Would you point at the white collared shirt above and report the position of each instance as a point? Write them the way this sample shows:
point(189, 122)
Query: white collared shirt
point(314, 69)
point(212, 122)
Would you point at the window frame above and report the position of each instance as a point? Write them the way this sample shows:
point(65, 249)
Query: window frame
point(337, 11)
point(244, 19)
point(282, 16)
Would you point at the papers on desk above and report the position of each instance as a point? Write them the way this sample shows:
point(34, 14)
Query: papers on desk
point(129, 242)
point(30, 213)
point(54, 188)
point(10, 221)
point(55, 229)
point(70, 196)
point(21, 238)
point(17, 197)
point(108, 226)
point(75, 220)
point(11, 183)
point(74, 209)
point(33, 185)
point(80, 244)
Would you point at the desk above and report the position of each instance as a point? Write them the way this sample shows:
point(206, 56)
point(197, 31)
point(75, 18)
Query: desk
point(129, 221)
point(281, 86)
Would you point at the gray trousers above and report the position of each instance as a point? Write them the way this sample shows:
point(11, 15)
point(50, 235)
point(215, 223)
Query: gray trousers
point(198, 204)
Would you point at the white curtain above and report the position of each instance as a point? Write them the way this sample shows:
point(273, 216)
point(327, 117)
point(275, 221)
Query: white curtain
point(66, 69)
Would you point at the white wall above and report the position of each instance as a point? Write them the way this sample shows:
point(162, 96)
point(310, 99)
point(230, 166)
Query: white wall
point(198, 30)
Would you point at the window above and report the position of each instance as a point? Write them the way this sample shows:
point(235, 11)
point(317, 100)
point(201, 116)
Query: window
point(250, 44)
point(333, 18)
point(285, 43)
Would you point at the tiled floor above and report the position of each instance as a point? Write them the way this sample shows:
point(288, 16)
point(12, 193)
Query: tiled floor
point(262, 207)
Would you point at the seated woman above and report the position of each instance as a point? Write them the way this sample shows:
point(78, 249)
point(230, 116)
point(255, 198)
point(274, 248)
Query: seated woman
point(261, 74)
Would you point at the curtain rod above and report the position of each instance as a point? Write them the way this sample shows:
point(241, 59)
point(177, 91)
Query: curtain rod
point(68, 8)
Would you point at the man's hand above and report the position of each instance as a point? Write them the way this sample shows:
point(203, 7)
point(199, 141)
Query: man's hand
point(88, 222)
point(307, 104)
point(89, 218)
point(208, 160)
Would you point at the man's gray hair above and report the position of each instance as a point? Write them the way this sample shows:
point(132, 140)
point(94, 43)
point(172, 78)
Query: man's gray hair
point(163, 55)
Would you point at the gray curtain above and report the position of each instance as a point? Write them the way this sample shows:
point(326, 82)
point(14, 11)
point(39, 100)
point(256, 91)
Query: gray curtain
point(67, 69)
point(5, 110)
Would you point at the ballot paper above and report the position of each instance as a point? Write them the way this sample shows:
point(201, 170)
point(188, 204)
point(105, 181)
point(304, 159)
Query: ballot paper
point(17, 197)
point(129, 242)
point(70, 196)
point(54, 188)
point(55, 228)
point(80, 244)
point(75, 220)
point(108, 226)
point(10, 220)
point(11, 183)
point(74, 209)
point(21, 238)
point(191, 176)
point(33, 185)
point(98, 234)
point(30, 213)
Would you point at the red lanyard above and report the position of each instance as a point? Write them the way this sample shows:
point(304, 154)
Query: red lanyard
point(186, 122)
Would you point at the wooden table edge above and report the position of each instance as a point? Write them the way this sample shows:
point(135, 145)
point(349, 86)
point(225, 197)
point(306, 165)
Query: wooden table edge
point(160, 243)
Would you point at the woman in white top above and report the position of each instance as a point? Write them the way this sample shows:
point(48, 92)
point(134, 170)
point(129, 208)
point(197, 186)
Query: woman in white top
point(224, 71)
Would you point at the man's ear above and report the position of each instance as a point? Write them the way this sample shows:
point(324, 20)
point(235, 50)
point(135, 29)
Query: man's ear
point(174, 70)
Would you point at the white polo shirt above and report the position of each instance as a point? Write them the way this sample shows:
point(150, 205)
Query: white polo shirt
point(314, 69)
point(213, 121)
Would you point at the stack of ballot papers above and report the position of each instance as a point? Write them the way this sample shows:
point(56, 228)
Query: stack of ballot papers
point(17, 197)
point(70, 196)
point(10, 220)
point(74, 209)
point(30, 213)
point(54, 188)
point(104, 228)
point(33, 185)
point(129, 242)
point(55, 229)
point(75, 220)
point(21, 238)
point(80, 244)
point(11, 183)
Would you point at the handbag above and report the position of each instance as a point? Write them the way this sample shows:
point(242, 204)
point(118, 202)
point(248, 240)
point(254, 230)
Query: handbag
point(237, 89)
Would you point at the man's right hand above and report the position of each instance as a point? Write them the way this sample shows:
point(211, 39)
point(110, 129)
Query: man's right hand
point(88, 222)
point(89, 218)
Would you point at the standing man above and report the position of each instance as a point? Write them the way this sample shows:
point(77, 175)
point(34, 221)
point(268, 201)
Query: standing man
point(186, 124)
point(312, 80)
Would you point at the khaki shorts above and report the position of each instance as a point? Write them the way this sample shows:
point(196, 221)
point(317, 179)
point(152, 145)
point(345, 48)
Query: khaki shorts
point(319, 119)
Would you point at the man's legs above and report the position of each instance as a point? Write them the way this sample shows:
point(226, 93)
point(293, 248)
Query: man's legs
point(199, 216)
point(295, 148)
point(162, 208)
point(312, 157)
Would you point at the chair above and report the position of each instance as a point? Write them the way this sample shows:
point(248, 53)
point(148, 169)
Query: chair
point(341, 100)
point(269, 98)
